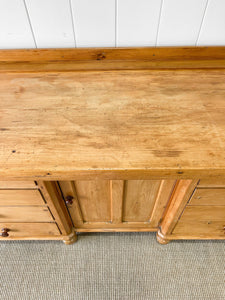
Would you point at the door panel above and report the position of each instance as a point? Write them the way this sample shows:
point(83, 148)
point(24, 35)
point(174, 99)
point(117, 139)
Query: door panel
point(94, 199)
point(116, 204)
point(139, 199)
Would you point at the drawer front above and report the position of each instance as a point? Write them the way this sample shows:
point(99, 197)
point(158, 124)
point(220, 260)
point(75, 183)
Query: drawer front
point(25, 214)
point(210, 196)
point(21, 197)
point(29, 230)
point(204, 213)
point(201, 221)
point(17, 185)
point(212, 183)
point(212, 229)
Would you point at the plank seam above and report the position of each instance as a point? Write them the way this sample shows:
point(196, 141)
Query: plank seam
point(29, 20)
point(158, 26)
point(73, 25)
point(116, 23)
point(203, 18)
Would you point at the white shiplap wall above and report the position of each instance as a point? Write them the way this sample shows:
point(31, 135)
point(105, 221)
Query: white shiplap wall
point(110, 23)
point(180, 22)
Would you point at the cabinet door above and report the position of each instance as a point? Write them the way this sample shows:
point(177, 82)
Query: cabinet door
point(116, 205)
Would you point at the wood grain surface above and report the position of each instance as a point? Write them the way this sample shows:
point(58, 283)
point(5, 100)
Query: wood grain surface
point(139, 58)
point(124, 124)
point(21, 197)
point(202, 221)
point(209, 196)
point(25, 214)
point(30, 231)
point(18, 185)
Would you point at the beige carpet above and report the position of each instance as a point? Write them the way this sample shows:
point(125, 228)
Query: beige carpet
point(108, 266)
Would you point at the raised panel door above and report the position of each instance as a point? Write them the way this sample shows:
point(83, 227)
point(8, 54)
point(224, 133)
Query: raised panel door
point(116, 205)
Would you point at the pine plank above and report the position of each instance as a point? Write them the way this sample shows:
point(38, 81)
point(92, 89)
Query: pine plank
point(209, 196)
point(25, 214)
point(30, 231)
point(21, 197)
point(113, 124)
point(139, 199)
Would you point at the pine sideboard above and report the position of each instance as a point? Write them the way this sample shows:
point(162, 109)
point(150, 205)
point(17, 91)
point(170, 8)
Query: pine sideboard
point(108, 140)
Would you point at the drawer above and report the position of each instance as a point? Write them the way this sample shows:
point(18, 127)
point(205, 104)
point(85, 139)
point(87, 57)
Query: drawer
point(17, 185)
point(29, 230)
point(208, 197)
point(25, 214)
point(21, 197)
point(204, 213)
point(197, 229)
point(212, 182)
point(201, 220)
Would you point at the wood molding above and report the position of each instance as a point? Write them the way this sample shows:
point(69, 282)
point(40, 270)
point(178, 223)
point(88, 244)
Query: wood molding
point(179, 199)
point(58, 209)
point(86, 59)
point(165, 191)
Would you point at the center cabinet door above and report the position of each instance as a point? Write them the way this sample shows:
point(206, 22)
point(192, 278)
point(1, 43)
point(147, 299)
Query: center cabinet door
point(116, 205)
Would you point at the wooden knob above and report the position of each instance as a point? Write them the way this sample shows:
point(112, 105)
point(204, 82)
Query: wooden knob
point(4, 232)
point(69, 199)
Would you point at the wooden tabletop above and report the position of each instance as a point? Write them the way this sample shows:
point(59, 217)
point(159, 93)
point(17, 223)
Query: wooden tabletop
point(112, 124)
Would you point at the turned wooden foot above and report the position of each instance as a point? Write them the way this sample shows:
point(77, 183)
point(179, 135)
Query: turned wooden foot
point(71, 238)
point(161, 239)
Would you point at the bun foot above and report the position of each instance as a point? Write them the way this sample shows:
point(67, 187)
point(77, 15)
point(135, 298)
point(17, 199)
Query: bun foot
point(161, 239)
point(71, 238)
